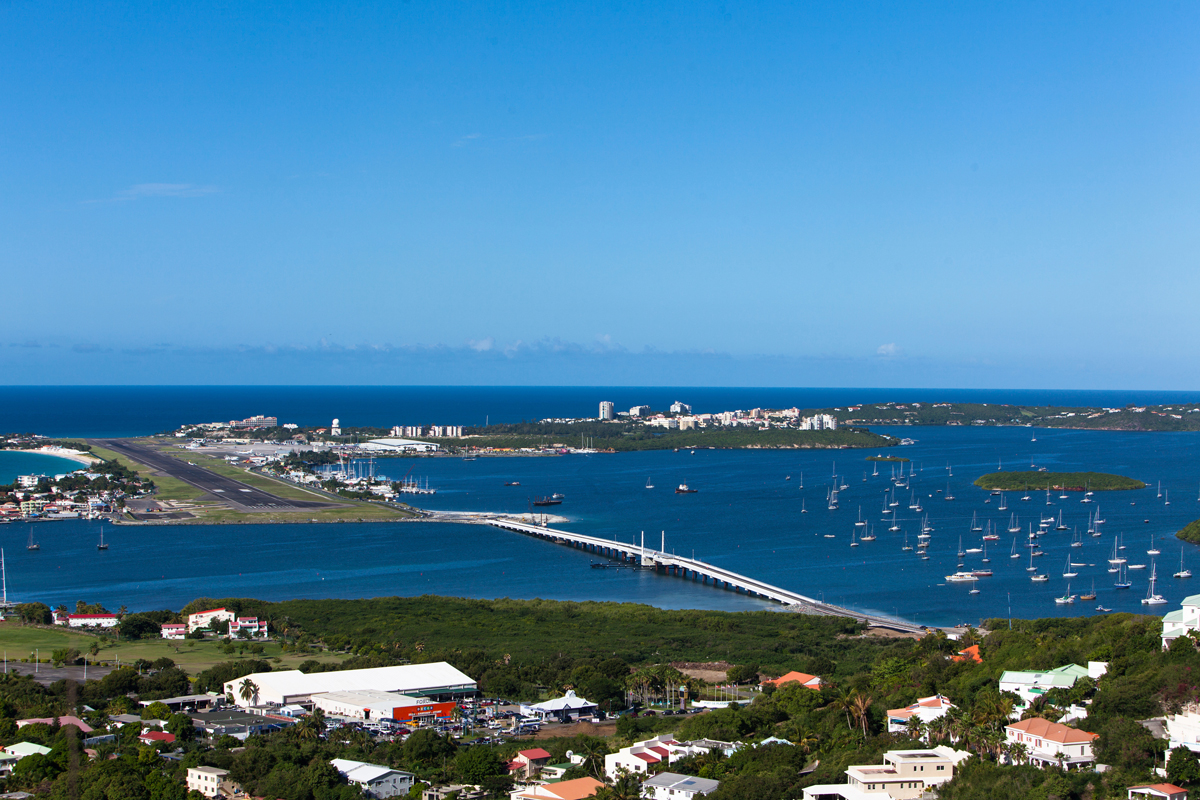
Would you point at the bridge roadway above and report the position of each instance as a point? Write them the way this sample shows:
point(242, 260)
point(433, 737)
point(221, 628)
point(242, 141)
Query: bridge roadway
point(699, 570)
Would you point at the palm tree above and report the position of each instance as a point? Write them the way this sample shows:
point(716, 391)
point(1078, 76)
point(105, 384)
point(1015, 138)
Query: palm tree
point(844, 701)
point(859, 707)
point(249, 691)
point(1017, 752)
point(940, 727)
point(915, 728)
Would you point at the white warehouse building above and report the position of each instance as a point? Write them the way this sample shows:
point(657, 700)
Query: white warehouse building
point(436, 681)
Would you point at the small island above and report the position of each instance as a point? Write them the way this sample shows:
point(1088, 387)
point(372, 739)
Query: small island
point(1059, 481)
point(1190, 532)
point(887, 458)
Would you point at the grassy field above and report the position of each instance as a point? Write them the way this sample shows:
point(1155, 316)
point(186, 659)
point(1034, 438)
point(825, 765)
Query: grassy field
point(168, 488)
point(19, 641)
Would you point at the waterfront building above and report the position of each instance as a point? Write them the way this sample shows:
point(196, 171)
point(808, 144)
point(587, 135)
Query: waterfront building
point(1182, 622)
point(904, 774)
point(926, 709)
point(254, 423)
point(672, 786)
point(1030, 685)
point(374, 780)
point(606, 410)
point(680, 408)
point(202, 619)
point(818, 422)
point(87, 620)
point(639, 411)
point(436, 682)
point(252, 626)
point(1049, 743)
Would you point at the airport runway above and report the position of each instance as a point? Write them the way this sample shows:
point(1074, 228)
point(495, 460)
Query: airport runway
point(240, 496)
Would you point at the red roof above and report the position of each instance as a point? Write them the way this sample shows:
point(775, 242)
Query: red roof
point(662, 751)
point(1044, 728)
point(158, 736)
point(535, 753)
point(211, 610)
point(91, 616)
point(648, 757)
point(811, 681)
point(1165, 788)
point(970, 654)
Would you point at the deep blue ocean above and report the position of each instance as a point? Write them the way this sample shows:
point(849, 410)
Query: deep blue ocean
point(746, 516)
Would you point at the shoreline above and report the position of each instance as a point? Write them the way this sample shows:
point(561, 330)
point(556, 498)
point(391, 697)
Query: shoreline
point(78, 456)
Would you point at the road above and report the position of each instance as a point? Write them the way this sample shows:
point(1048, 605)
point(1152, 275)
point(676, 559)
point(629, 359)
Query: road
point(240, 496)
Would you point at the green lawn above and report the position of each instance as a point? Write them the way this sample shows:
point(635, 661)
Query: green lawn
point(168, 488)
point(19, 641)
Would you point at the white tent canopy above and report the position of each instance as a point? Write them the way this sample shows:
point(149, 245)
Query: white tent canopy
point(561, 707)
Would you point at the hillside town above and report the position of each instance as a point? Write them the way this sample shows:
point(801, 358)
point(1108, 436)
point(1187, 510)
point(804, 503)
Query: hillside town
point(1027, 718)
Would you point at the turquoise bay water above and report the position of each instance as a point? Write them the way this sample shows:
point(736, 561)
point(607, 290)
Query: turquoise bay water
point(16, 462)
point(746, 517)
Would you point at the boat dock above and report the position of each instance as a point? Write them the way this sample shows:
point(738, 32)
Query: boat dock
point(679, 566)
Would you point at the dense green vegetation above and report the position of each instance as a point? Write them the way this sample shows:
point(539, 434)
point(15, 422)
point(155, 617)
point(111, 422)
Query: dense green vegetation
point(611, 652)
point(1071, 481)
point(1190, 532)
point(1172, 417)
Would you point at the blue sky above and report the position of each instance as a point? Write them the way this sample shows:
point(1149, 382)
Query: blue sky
point(999, 195)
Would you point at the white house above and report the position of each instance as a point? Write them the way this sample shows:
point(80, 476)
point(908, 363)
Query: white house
point(1181, 622)
point(206, 780)
point(1183, 729)
point(1158, 791)
point(672, 786)
point(904, 774)
point(174, 630)
point(374, 780)
point(1050, 743)
point(201, 619)
point(92, 620)
point(251, 625)
point(640, 756)
point(1030, 685)
point(926, 709)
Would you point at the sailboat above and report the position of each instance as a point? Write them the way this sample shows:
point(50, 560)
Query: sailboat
point(1034, 437)
point(1060, 526)
point(102, 545)
point(869, 537)
point(961, 552)
point(1048, 496)
point(1014, 553)
point(985, 559)
point(1160, 488)
point(1077, 540)
point(801, 480)
point(895, 524)
point(1117, 558)
point(990, 536)
point(906, 546)
point(975, 526)
point(1026, 497)
point(861, 523)
point(803, 510)
point(1013, 525)
point(1152, 599)
point(649, 485)
point(1067, 599)
point(1183, 573)
point(1123, 581)
point(1003, 503)
point(1031, 567)
point(1153, 551)
point(1067, 570)
point(1168, 500)
point(948, 495)
point(32, 544)
point(1092, 594)
point(852, 542)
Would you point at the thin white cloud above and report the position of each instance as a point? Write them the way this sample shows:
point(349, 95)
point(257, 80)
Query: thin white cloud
point(481, 345)
point(142, 190)
point(463, 140)
point(888, 350)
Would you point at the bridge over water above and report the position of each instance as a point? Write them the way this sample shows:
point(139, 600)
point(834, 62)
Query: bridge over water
point(671, 564)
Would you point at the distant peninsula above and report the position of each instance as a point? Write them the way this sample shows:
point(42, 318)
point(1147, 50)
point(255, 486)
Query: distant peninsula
point(1190, 532)
point(1059, 481)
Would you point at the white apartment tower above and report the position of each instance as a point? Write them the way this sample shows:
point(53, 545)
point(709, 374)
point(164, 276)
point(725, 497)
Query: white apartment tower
point(606, 409)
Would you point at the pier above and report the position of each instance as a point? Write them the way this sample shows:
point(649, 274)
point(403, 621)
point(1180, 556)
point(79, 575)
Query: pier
point(692, 569)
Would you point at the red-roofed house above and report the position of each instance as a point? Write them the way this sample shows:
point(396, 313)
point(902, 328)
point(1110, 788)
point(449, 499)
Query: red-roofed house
point(563, 790)
point(639, 757)
point(154, 737)
point(970, 654)
point(1162, 791)
point(811, 681)
point(201, 619)
point(926, 709)
point(251, 625)
point(529, 762)
point(1045, 741)
point(174, 630)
